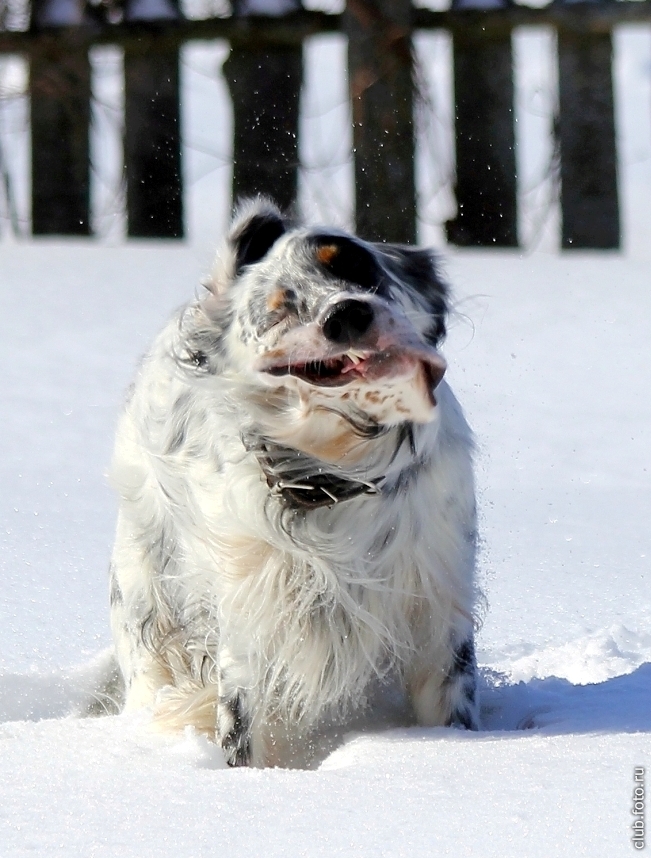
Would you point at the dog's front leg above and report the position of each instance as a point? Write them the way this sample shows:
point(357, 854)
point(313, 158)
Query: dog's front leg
point(138, 619)
point(234, 712)
point(446, 696)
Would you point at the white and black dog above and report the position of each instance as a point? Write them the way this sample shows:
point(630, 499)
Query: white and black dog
point(297, 510)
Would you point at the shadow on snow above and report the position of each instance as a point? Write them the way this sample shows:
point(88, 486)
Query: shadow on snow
point(621, 704)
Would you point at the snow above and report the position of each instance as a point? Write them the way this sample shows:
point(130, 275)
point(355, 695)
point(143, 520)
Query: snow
point(400, 794)
point(549, 354)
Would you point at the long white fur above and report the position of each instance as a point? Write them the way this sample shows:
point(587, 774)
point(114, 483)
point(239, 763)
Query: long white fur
point(305, 619)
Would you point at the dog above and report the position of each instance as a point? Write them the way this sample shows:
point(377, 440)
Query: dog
point(297, 520)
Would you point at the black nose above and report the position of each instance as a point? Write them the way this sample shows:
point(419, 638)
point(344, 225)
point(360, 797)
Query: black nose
point(348, 321)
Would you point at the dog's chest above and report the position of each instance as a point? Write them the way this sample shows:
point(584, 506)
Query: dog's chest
point(356, 569)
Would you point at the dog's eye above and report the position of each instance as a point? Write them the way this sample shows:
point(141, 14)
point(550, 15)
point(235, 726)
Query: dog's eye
point(198, 359)
point(347, 260)
point(282, 300)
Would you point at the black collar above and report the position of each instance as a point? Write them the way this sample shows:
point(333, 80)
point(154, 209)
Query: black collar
point(301, 481)
point(318, 489)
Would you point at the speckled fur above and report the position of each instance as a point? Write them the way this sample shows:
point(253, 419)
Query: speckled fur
point(234, 610)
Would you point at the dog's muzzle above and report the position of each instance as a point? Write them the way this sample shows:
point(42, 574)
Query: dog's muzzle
point(346, 323)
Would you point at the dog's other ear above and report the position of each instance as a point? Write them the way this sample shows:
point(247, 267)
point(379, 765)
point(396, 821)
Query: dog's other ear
point(257, 226)
point(418, 269)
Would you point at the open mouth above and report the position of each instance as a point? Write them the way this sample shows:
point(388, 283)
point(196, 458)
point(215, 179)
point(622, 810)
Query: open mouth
point(367, 366)
point(328, 372)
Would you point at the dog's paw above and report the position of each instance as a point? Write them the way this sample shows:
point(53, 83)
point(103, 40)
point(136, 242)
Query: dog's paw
point(234, 732)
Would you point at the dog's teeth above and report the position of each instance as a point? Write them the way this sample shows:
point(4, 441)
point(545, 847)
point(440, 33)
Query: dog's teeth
point(355, 356)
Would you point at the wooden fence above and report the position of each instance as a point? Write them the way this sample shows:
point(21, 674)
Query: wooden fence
point(264, 74)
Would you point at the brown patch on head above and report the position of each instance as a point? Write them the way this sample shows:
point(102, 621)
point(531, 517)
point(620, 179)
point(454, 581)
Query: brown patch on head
point(326, 253)
point(277, 300)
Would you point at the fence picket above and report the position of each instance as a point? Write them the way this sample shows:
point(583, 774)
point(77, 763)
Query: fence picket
point(60, 119)
point(589, 200)
point(380, 72)
point(484, 140)
point(152, 144)
point(265, 89)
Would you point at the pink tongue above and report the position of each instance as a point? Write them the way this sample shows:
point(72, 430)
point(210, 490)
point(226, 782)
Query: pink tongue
point(360, 368)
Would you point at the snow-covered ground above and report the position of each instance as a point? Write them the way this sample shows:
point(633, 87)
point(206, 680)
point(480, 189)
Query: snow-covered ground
point(550, 356)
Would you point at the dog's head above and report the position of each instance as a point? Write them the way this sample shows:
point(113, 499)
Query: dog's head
point(334, 322)
point(334, 315)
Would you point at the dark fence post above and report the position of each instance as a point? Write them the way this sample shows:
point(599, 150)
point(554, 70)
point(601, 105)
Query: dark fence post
point(589, 202)
point(60, 118)
point(265, 86)
point(152, 136)
point(380, 70)
point(485, 140)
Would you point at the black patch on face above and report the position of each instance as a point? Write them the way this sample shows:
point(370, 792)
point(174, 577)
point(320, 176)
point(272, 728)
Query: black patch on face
point(255, 238)
point(346, 259)
point(416, 268)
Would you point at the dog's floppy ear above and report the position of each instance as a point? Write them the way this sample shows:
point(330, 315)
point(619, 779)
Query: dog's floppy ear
point(256, 227)
point(418, 269)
